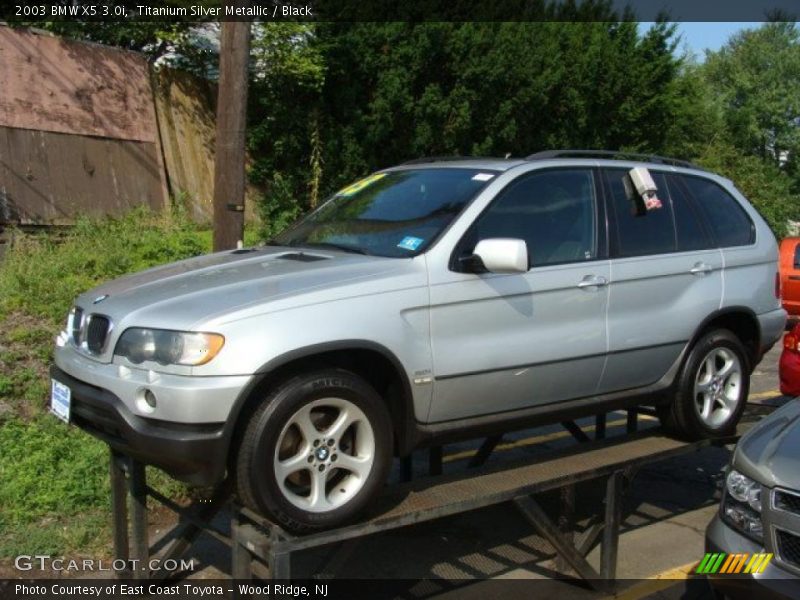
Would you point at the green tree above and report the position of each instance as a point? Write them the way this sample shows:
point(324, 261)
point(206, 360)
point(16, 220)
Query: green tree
point(395, 91)
point(284, 137)
point(756, 78)
point(697, 116)
point(762, 182)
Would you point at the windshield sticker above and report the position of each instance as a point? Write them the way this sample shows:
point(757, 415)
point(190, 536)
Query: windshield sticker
point(410, 243)
point(483, 177)
point(360, 185)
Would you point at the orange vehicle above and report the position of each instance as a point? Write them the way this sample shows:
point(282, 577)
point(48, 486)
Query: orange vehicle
point(790, 277)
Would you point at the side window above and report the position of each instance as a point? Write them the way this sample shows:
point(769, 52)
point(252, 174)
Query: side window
point(553, 211)
point(640, 235)
point(728, 221)
point(688, 228)
point(797, 256)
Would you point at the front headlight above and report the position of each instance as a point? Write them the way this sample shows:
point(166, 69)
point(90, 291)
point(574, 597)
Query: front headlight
point(741, 505)
point(168, 347)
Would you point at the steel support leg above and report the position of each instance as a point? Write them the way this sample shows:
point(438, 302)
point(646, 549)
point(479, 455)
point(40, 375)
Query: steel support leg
point(191, 524)
point(435, 460)
point(137, 487)
point(632, 422)
point(608, 551)
point(485, 451)
point(534, 514)
point(119, 511)
point(407, 468)
point(280, 565)
point(600, 427)
point(566, 521)
point(241, 560)
point(576, 431)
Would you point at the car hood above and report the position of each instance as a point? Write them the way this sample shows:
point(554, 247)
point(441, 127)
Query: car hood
point(184, 294)
point(770, 452)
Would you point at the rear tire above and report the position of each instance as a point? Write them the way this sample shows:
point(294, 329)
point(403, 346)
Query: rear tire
point(316, 451)
point(712, 388)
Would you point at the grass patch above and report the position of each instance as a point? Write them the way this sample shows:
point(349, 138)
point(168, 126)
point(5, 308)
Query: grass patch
point(54, 493)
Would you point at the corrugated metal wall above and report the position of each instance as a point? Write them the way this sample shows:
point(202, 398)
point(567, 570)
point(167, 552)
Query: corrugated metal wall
point(78, 131)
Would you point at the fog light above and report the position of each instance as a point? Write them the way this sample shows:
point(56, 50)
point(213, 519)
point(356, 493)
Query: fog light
point(150, 398)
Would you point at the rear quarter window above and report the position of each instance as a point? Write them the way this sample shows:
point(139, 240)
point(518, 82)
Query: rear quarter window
point(726, 218)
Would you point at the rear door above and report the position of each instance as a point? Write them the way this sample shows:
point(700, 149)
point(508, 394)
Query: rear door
point(666, 277)
point(790, 275)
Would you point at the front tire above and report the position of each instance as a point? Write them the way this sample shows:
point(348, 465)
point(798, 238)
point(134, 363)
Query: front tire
point(712, 388)
point(316, 451)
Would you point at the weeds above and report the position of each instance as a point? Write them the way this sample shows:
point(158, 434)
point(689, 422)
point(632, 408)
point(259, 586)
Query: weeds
point(54, 492)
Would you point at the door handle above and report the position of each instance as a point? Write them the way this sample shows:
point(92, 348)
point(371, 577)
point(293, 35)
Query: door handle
point(593, 281)
point(700, 269)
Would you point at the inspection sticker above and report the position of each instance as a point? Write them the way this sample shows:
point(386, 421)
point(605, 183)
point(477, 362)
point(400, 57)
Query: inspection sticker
point(356, 187)
point(410, 243)
point(482, 177)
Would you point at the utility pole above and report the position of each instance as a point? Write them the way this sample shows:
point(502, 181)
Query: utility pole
point(229, 172)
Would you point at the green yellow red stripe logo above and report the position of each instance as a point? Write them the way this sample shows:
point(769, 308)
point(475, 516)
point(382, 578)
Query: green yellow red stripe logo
point(721, 563)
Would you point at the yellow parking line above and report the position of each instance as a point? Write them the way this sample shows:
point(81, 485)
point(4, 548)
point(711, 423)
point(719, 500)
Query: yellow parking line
point(763, 395)
point(659, 582)
point(537, 439)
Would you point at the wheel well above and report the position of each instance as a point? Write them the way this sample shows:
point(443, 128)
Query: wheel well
point(744, 326)
point(373, 366)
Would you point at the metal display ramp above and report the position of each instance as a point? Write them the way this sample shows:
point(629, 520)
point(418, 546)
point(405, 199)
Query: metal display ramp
point(262, 549)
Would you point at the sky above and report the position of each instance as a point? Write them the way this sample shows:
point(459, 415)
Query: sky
point(700, 36)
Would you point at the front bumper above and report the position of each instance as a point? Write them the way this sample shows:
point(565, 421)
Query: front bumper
point(195, 453)
point(774, 582)
point(188, 399)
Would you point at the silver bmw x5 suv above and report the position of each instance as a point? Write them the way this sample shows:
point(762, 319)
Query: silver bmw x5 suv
point(435, 300)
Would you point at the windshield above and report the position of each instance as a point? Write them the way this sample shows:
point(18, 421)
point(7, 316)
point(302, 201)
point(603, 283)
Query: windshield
point(396, 214)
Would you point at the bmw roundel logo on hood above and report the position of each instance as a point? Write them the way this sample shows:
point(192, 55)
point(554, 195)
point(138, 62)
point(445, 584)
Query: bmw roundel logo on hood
point(99, 299)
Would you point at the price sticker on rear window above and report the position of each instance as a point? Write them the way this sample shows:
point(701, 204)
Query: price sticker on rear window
point(356, 187)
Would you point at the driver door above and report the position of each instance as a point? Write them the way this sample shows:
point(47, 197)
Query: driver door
point(504, 342)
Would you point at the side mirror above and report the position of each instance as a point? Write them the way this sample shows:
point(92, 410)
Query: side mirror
point(500, 255)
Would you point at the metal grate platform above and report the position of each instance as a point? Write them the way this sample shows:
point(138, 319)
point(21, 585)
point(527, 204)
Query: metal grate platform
point(435, 497)
point(263, 549)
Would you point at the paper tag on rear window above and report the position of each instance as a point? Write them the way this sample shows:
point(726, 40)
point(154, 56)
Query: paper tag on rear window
point(482, 177)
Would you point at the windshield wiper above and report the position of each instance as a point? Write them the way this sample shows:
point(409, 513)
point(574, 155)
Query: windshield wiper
point(342, 247)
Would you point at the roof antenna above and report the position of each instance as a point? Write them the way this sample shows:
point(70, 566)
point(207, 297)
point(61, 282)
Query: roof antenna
point(508, 155)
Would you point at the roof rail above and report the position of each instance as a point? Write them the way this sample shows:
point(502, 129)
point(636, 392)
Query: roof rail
point(611, 154)
point(431, 159)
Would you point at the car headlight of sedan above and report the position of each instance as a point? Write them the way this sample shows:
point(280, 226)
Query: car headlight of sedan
point(168, 347)
point(741, 505)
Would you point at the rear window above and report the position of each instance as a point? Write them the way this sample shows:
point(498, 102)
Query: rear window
point(728, 222)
